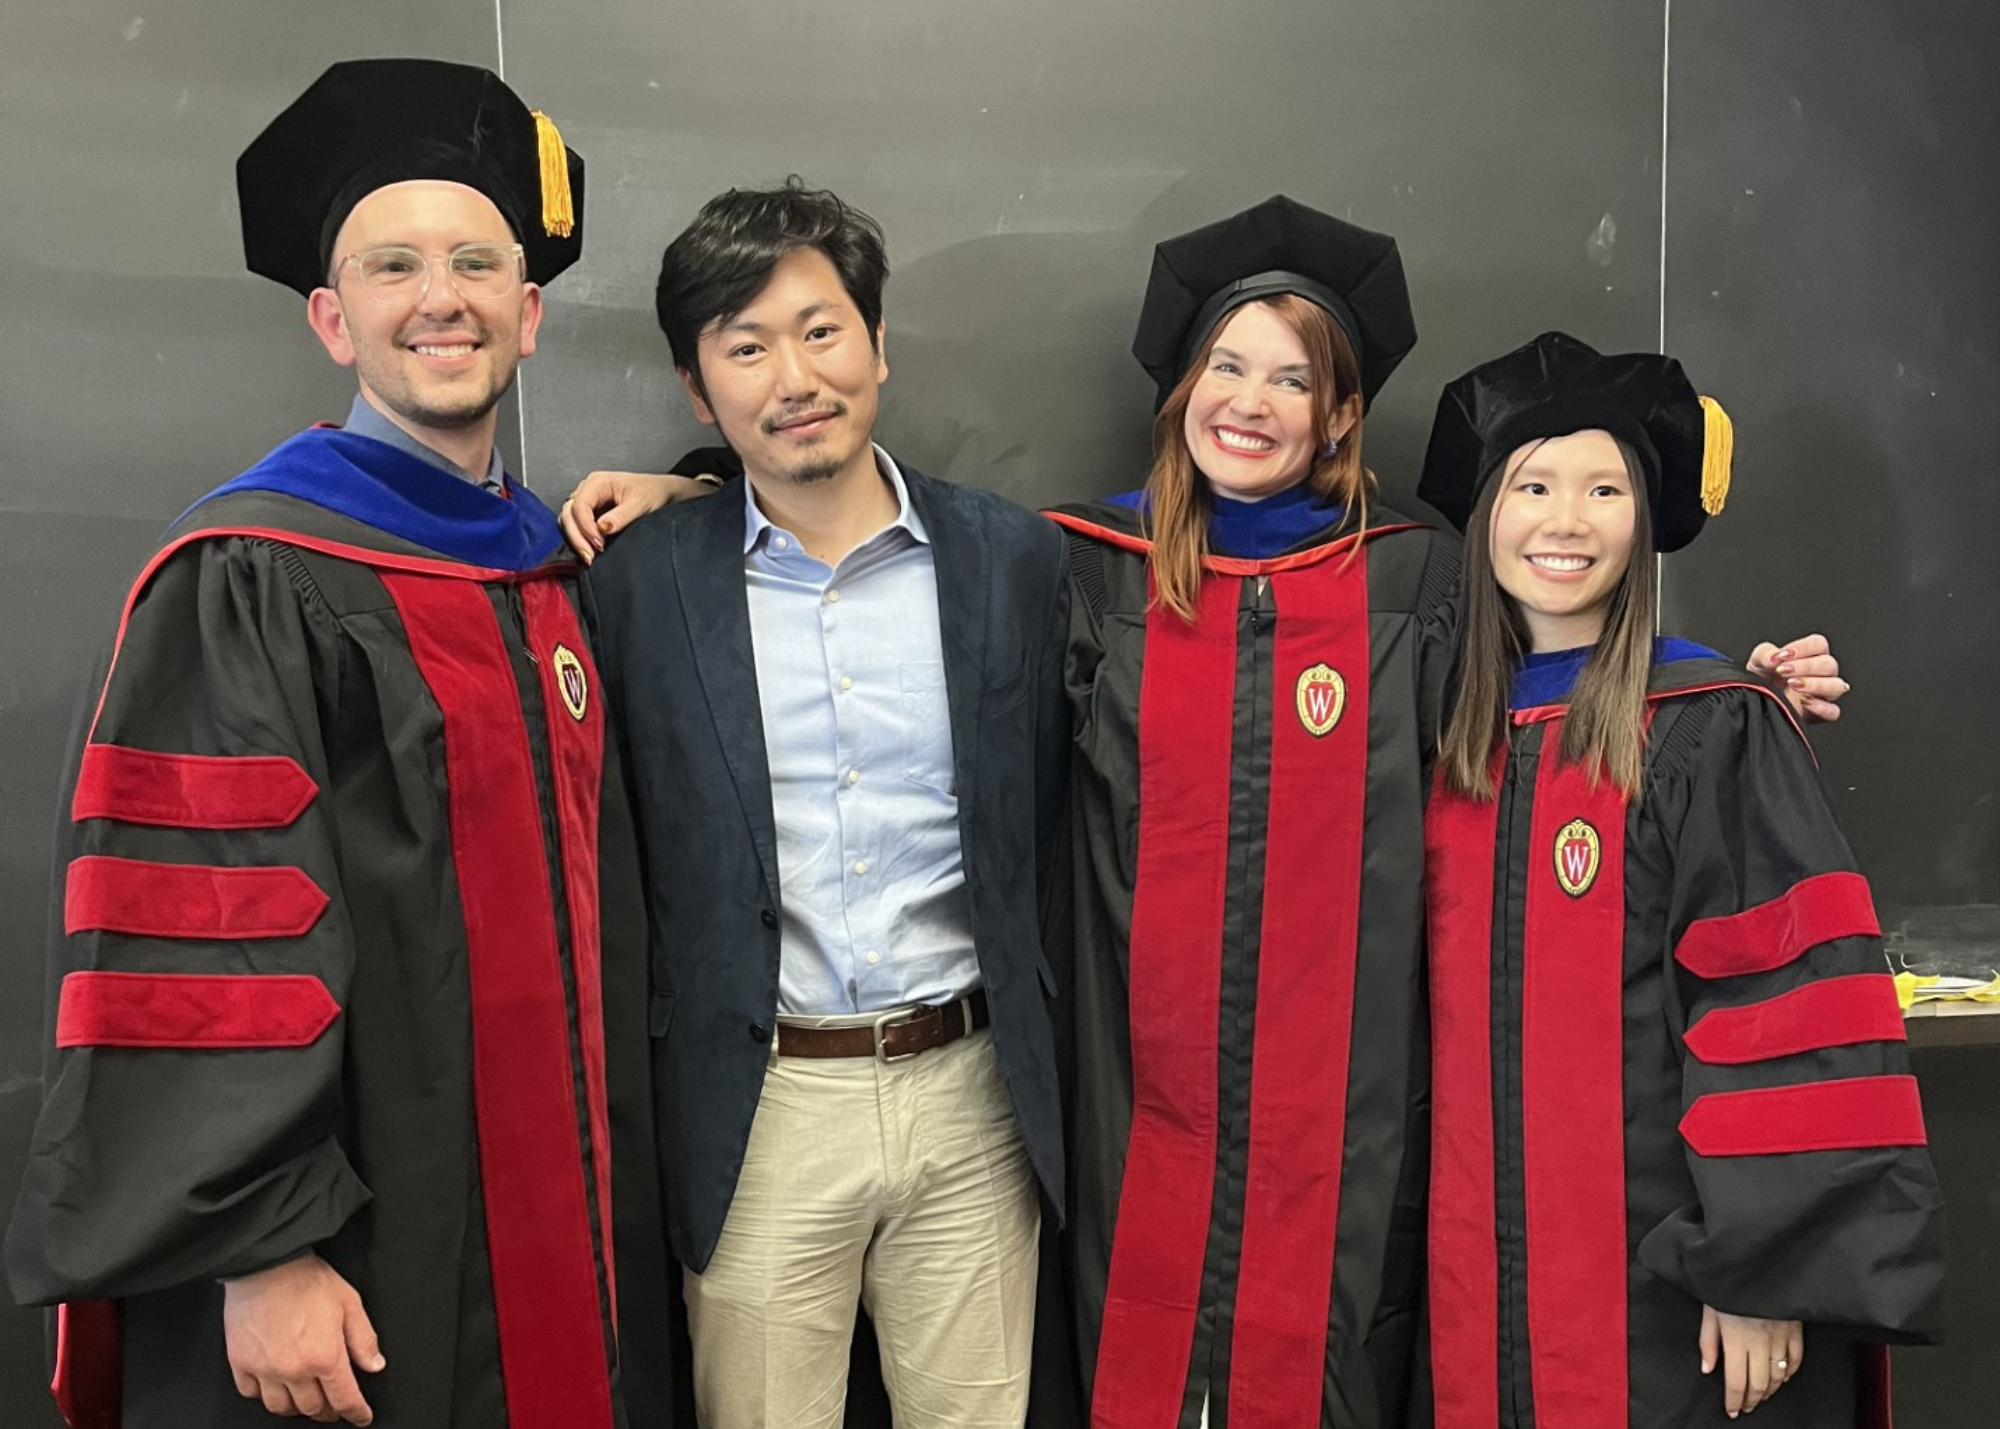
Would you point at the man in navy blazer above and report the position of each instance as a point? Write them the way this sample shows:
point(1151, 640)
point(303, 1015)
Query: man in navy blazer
point(838, 684)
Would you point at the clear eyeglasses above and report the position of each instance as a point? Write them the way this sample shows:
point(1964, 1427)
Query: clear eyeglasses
point(394, 273)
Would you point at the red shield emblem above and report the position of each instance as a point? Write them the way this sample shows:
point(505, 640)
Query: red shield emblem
point(571, 681)
point(1322, 695)
point(1578, 852)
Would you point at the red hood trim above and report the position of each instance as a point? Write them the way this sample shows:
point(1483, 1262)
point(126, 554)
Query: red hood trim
point(1232, 565)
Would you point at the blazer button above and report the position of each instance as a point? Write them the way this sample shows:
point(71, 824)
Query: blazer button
point(759, 1032)
point(769, 917)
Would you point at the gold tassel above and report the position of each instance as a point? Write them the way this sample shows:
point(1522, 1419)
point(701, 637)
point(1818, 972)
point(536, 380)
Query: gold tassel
point(1718, 450)
point(558, 214)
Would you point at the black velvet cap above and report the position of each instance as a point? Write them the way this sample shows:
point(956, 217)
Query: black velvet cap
point(365, 124)
point(1280, 246)
point(1557, 385)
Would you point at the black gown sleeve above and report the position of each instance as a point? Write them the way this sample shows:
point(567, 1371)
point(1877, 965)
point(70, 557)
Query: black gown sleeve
point(190, 1127)
point(1440, 613)
point(1815, 1198)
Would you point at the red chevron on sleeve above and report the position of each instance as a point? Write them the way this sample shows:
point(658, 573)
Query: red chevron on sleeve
point(107, 1009)
point(179, 900)
point(1827, 1012)
point(1842, 1115)
point(190, 791)
point(1813, 911)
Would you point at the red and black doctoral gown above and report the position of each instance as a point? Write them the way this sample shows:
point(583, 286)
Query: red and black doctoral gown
point(1244, 1037)
point(1669, 1072)
point(348, 958)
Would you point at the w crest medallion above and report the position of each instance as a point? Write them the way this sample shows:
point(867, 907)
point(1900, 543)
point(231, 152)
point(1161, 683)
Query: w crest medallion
point(571, 681)
point(1322, 696)
point(1578, 852)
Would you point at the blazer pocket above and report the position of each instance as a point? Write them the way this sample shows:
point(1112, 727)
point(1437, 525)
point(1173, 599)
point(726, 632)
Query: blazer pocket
point(659, 1013)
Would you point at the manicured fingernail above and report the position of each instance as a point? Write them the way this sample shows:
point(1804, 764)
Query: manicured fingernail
point(1796, 684)
point(1784, 654)
point(1784, 669)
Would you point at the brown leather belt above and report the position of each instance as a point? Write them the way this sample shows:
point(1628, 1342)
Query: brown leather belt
point(893, 1036)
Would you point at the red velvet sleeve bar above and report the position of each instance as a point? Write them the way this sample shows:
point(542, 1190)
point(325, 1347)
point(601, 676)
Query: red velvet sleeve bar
point(1813, 911)
point(179, 900)
point(107, 1009)
point(1815, 1116)
point(1828, 1012)
point(190, 791)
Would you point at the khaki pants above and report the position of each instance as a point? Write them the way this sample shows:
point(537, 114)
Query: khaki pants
point(902, 1186)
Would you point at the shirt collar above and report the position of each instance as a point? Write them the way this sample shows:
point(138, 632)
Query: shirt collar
point(757, 527)
point(364, 421)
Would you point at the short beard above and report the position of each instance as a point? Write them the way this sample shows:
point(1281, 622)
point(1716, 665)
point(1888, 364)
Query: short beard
point(824, 469)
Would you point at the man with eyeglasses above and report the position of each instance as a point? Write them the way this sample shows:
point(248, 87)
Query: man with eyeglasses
point(348, 992)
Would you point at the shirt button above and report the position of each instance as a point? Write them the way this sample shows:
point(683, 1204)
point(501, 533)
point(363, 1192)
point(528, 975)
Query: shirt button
point(781, 543)
point(873, 957)
point(846, 682)
point(861, 865)
point(759, 1032)
point(833, 596)
point(854, 776)
point(769, 918)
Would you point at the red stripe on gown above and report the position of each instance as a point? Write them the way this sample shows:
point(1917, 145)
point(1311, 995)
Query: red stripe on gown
point(1812, 911)
point(1460, 842)
point(190, 791)
point(1827, 1012)
point(145, 899)
point(114, 1009)
point(576, 748)
point(1305, 1003)
point(1843, 1115)
point(545, 1291)
point(89, 1380)
point(1187, 699)
point(1573, 1106)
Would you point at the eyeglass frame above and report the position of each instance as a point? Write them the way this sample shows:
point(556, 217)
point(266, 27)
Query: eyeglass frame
point(518, 251)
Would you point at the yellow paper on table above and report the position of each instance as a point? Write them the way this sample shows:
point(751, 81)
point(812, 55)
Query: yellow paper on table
point(1912, 989)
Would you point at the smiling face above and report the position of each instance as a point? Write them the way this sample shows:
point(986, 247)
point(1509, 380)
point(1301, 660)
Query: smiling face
point(1249, 422)
point(438, 361)
point(792, 380)
point(1561, 536)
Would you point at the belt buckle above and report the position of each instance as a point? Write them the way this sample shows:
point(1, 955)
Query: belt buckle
point(906, 1018)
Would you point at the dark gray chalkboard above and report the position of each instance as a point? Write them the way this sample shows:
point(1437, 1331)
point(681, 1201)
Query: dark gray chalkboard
point(1024, 158)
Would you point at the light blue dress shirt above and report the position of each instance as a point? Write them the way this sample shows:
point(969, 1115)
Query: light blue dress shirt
point(850, 676)
point(364, 421)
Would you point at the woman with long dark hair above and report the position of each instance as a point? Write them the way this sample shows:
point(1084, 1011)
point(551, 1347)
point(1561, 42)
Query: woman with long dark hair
point(1678, 1157)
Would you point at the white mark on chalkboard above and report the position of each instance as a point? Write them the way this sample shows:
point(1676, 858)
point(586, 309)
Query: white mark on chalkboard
point(1751, 192)
point(181, 104)
point(1600, 247)
point(1715, 292)
point(1798, 105)
point(161, 358)
point(983, 109)
point(131, 31)
point(652, 84)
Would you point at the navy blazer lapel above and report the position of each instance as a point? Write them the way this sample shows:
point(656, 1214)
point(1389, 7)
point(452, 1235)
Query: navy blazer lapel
point(963, 563)
point(708, 569)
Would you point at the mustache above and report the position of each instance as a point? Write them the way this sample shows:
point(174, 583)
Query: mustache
point(802, 414)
